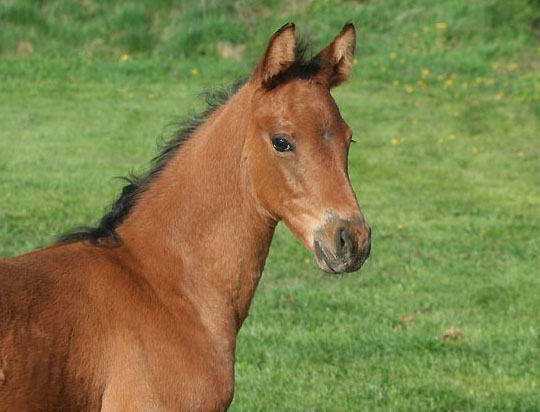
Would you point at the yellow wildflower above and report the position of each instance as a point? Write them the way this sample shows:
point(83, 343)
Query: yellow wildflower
point(440, 140)
point(130, 95)
point(512, 67)
point(403, 60)
point(426, 73)
point(355, 62)
point(194, 71)
point(394, 141)
point(425, 29)
point(441, 25)
point(383, 69)
point(125, 57)
point(400, 226)
point(395, 83)
point(520, 154)
point(498, 96)
point(475, 150)
point(421, 84)
point(448, 83)
point(452, 137)
point(408, 88)
point(392, 55)
point(465, 85)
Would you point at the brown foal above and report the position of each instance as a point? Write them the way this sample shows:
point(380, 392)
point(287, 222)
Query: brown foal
point(142, 313)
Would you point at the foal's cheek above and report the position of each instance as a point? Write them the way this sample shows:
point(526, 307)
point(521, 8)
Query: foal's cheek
point(265, 179)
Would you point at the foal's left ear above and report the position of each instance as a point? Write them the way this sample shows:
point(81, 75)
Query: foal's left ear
point(278, 57)
point(338, 56)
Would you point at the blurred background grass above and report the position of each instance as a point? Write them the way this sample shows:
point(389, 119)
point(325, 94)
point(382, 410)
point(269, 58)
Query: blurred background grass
point(463, 38)
point(445, 105)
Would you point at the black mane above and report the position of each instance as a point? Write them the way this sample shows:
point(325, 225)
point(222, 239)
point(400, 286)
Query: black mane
point(105, 234)
point(136, 185)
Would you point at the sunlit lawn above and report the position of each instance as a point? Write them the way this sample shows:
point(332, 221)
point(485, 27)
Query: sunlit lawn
point(445, 315)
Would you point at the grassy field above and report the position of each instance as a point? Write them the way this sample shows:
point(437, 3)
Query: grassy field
point(445, 107)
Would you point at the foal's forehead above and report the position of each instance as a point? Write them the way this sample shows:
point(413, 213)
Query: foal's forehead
point(302, 99)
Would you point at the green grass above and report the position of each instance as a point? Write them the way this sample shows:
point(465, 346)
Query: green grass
point(445, 107)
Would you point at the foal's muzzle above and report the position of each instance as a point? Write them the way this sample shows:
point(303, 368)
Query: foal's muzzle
point(342, 245)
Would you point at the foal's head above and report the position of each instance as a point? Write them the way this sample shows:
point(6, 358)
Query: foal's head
point(297, 147)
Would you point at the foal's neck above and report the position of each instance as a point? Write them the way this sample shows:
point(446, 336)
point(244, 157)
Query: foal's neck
point(197, 229)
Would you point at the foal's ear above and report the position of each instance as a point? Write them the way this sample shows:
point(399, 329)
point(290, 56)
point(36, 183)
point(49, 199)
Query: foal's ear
point(338, 56)
point(278, 57)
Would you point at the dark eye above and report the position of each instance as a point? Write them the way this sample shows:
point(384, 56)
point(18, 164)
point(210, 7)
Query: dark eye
point(282, 145)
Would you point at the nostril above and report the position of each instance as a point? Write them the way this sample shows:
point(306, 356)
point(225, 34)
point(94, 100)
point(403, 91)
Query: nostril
point(347, 239)
point(339, 242)
point(343, 242)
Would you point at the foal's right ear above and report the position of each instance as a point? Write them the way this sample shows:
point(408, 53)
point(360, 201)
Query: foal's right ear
point(278, 57)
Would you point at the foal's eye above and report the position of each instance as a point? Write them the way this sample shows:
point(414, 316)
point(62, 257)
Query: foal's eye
point(282, 145)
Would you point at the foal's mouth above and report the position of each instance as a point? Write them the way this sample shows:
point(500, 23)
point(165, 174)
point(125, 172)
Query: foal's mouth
point(344, 264)
point(322, 258)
